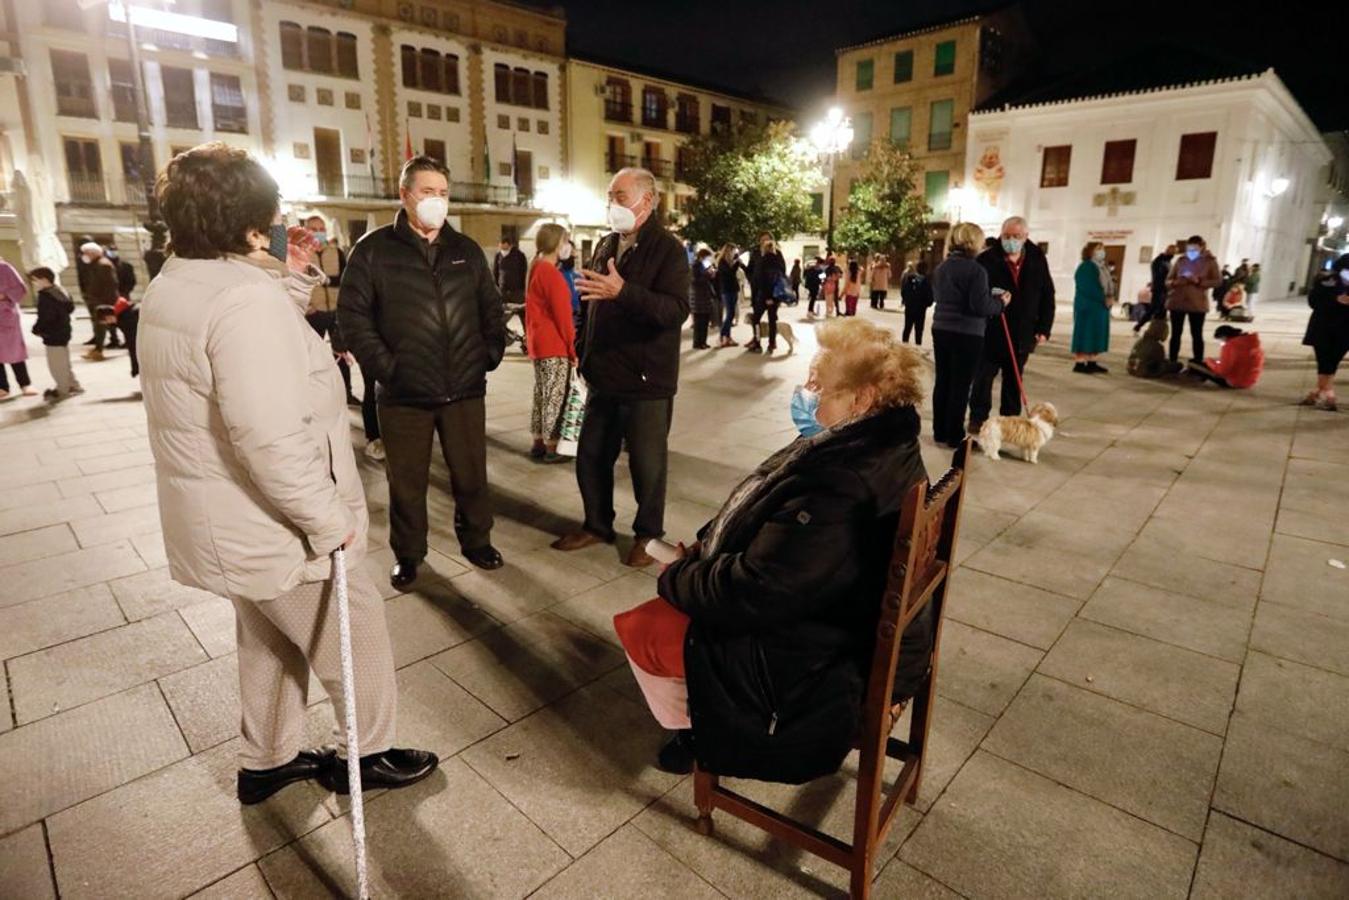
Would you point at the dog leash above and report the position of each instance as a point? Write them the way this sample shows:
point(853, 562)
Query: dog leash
point(349, 701)
point(1016, 369)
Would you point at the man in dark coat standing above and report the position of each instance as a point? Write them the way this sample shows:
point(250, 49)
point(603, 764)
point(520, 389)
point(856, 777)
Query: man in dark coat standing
point(637, 285)
point(1018, 267)
point(508, 271)
point(1161, 267)
point(419, 310)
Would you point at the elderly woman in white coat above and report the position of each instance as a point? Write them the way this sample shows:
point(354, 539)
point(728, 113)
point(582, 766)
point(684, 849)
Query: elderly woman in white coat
point(257, 480)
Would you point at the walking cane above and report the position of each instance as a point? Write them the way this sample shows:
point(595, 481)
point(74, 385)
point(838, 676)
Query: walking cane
point(1016, 370)
point(349, 702)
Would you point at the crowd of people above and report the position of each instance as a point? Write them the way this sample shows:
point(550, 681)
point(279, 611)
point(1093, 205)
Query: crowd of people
point(248, 335)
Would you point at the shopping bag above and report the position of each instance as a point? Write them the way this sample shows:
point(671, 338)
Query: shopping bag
point(573, 415)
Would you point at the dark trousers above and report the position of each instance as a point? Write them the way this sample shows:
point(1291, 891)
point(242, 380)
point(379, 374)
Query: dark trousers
point(369, 411)
point(129, 321)
point(645, 425)
point(1178, 318)
point(914, 317)
point(771, 308)
point(729, 301)
point(957, 356)
point(878, 299)
point(700, 321)
point(1157, 310)
point(407, 431)
point(20, 375)
point(981, 392)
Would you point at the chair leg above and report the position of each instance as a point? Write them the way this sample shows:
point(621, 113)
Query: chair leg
point(703, 785)
point(861, 879)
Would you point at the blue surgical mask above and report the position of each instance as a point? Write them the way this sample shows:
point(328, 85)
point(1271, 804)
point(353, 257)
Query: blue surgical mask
point(1011, 245)
point(278, 246)
point(321, 237)
point(805, 405)
point(1192, 253)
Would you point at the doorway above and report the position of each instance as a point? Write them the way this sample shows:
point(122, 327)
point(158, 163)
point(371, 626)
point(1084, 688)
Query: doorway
point(524, 175)
point(328, 158)
point(1114, 260)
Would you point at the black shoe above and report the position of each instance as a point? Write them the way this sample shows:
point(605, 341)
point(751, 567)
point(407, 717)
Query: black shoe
point(1081, 369)
point(1096, 368)
point(403, 573)
point(485, 557)
point(256, 785)
point(676, 757)
point(391, 769)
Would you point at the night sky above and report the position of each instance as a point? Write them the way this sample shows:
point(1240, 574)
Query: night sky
point(768, 48)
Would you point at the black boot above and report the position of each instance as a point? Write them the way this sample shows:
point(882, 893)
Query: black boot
point(256, 785)
point(676, 757)
point(390, 769)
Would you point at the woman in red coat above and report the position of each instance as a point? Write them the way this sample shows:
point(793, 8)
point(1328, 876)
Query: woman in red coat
point(550, 338)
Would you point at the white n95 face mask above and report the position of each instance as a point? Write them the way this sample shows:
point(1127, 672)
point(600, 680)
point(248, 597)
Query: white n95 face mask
point(431, 211)
point(620, 218)
point(564, 252)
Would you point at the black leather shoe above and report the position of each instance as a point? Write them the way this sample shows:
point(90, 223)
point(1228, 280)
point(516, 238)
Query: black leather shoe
point(403, 573)
point(676, 757)
point(485, 557)
point(391, 769)
point(256, 785)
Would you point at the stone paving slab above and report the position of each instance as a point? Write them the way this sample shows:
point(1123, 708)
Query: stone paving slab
point(1199, 625)
point(627, 864)
point(1296, 699)
point(245, 884)
point(53, 620)
point(1239, 860)
point(1013, 610)
point(1300, 574)
point(1302, 636)
point(981, 670)
point(24, 871)
point(67, 572)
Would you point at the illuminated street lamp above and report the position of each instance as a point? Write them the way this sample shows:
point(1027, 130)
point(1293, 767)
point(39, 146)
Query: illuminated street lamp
point(1278, 186)
point(1334, 222)
point(831, 138)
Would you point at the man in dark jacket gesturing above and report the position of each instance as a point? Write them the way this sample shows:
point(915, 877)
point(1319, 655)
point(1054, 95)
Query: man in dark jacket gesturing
point(638, 291)
point(419, 310)
point(1019, 268)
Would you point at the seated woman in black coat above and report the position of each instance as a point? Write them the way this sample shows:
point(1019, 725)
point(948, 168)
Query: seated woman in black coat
point(756, 651)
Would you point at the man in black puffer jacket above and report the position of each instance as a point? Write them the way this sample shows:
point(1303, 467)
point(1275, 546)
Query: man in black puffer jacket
point(638, 287)
point(420, 312)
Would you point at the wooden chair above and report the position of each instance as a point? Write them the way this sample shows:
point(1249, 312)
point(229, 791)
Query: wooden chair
point(925, 545)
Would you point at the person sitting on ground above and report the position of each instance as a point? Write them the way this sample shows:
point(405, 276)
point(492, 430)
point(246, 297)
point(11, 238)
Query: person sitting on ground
point(1148, 357)
point(756, 650)
point(1240, 363)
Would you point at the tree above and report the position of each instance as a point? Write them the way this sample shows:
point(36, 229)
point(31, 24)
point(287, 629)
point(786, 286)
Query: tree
point(748, 180)
point(884, 212)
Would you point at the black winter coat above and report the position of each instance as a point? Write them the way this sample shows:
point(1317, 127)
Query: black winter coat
point(54, 309)
point(1031, 310)
point(727, 281)
point(1328, 327)
point(703, 298)
point(428, 336)
point(509, 271)
point(766, 271)
point(630, 346)
point(783, 614)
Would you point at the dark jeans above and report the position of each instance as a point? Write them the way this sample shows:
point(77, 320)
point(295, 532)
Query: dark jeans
point(729, 300)
point(1196, 333)
point(645, 425)
point(771, 308)
point(957, 356)
point(407, 431)
point(878, 299)
point(20, 375)
point(981, 393)
point(700, 321)
point(129, 321)
point(914, 317)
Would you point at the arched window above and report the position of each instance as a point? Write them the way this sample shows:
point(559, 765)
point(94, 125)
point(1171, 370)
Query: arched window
point(347, 66)
point(431, 71)
point(540, 90)
point(292, 46)
point(319, 49)
point(408, 53)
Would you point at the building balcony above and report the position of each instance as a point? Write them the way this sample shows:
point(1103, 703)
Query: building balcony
point(659, 167)
point(377, 187)
point(654, 119)
point(615, 161)
point(87, 189)
point(686, 124)
point(617, 111)
point(80, 107)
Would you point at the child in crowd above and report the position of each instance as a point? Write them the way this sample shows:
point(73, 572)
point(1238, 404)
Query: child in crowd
point(1240, 363)
point(54, 310)
point(126, 316)
point(853, 290)
point(1148, 357)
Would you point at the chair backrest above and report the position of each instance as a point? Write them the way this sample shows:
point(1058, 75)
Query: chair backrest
point(925, 545)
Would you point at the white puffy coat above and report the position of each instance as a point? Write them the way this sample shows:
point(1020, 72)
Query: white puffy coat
point(248, 425)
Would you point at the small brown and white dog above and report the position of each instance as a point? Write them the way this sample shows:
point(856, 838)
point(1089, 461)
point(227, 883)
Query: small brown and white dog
point(1026, 433)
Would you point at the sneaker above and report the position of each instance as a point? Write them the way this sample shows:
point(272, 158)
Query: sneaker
point(375, 450)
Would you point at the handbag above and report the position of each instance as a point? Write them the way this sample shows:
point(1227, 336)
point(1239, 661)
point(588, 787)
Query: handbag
point(782, 290)
point(573, 416)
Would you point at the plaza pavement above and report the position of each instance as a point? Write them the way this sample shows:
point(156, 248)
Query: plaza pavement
point(1144, 683)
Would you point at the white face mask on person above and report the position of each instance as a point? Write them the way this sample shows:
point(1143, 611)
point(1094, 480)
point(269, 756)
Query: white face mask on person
point(431, 212)
point(620, 218)
point(564, 252)
point(1099, 256)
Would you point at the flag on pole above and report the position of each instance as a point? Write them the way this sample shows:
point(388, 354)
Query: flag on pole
point(407, 150)
point(487, 159)
point(515, 169)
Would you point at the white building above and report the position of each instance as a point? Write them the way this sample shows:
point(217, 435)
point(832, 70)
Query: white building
point(1236, 161)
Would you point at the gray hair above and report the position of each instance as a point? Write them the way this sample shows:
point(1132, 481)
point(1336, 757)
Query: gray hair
point(1013, 221)
point(645, 180)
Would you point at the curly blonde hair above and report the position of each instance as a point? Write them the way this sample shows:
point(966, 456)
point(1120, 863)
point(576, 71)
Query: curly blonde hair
point(863, 355)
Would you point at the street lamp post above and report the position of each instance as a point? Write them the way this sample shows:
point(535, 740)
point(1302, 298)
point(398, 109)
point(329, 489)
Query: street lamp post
point(831, 138)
